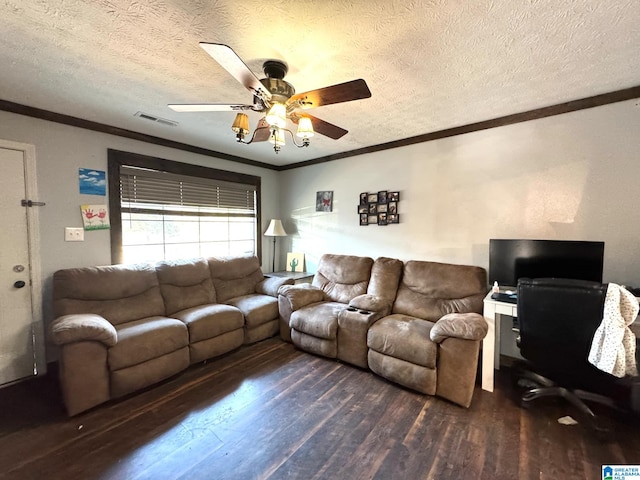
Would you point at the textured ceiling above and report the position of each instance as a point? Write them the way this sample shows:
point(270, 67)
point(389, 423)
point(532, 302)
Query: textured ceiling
point(430, 65)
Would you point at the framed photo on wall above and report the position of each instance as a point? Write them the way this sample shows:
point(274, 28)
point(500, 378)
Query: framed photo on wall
point(380, 208)
point(324, 201)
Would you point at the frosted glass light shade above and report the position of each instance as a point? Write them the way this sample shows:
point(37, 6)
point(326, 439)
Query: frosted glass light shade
point(277, 115)
point(275, 229)
point(277, 136)
point(305, 128)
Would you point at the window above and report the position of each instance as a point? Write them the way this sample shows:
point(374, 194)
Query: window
point(167, 210)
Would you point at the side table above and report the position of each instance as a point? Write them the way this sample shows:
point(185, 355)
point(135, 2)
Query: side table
point(298, 277)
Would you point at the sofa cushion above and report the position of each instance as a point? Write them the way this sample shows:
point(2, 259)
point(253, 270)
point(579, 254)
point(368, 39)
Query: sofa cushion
point(257, 309)
point(343, 277)
point(404, 337)
point(429, 290)
point(234, 276)
point(146, 339)
point(119, 293)
point(185, 284)
point(318, 320)
point(208, 321)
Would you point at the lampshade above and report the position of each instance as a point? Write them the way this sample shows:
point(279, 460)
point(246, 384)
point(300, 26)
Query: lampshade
point(305, 128)
point(277, 137)
point(275, 229)
point(277, 115)
point(241, 124)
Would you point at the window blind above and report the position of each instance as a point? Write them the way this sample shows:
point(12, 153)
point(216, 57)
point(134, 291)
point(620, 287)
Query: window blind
point(151, 189)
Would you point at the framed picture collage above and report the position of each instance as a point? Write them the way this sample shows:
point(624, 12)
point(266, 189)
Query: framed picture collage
point(379, 208)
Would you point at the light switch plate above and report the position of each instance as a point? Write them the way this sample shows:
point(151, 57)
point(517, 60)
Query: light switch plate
point(73, 234)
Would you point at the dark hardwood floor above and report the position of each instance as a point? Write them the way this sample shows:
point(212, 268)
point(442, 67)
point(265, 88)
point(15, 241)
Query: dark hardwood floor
point(270, 411)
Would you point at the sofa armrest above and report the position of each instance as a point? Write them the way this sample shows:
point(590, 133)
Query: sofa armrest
point(301, 295)
point(83, 327)
point(466, 326)
point(372, 303)
point(270, 285)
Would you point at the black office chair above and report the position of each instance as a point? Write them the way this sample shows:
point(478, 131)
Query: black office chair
point(557, 320)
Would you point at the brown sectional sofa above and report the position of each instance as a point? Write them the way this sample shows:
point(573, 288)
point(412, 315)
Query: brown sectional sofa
point(124, 327)
point(416, 323)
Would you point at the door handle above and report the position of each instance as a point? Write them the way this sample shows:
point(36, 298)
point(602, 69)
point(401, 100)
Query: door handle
point(19, 284)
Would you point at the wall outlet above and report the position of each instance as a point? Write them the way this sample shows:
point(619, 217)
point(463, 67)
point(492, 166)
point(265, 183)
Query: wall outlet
point(73, 234)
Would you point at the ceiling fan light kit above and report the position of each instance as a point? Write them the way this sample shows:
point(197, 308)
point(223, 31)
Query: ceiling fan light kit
point(277, 115)
point(278, 99)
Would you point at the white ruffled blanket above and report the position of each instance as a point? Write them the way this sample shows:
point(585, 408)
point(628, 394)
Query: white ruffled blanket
point(613, 349)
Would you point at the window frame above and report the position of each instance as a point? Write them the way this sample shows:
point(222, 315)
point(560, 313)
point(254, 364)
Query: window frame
point(116, 159)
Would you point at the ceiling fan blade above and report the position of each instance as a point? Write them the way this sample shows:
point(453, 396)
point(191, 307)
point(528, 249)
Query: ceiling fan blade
point(320, 126)
point(209, 107)
point(342, 92)
point(232, 63)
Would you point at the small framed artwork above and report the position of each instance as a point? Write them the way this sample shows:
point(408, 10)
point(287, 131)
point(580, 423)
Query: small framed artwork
point(382, 208)
point(372, 198)
point(394, 218)
point(373, 208)
point(382, 219)
point(393, 196)
point(382, 196)
point(95, 217)
point(372, 219)
point(363, 198)
point(324, 201)
point(392, 207)
point(364, 219)
point(92, 182)
point(295, 262)
point(363, 208)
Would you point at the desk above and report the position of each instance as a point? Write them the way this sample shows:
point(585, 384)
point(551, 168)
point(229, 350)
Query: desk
point(298, 277)
point(491, 343)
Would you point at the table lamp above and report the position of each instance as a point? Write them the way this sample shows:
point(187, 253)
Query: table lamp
point(275, 229)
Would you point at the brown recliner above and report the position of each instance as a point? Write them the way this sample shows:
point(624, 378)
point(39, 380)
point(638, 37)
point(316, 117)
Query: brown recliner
point(313, 310)
point(189, 296)
point(114, 334)
point(239, 282)
point(431, 340)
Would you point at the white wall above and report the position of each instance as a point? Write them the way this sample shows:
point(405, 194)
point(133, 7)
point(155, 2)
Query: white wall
point(573, 176)
point(60, 151)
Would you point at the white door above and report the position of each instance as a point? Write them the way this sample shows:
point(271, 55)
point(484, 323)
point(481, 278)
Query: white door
point(19, 350)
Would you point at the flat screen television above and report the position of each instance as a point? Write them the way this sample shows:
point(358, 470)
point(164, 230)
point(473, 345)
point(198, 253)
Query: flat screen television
point(512, 259)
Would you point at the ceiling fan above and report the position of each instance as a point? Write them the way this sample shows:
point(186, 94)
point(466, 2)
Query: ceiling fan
point(277, 98)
